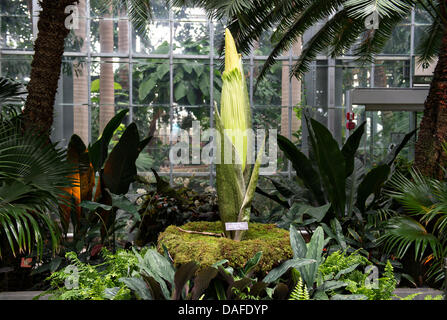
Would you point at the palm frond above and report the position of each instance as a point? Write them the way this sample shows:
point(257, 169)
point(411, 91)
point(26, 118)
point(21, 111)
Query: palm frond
point(10, 90)
point(33, 174)
point(139, 12)
point(417, 193)
point(430, 43)
point(373, 41)
point(296, 27)
point(402, 232)
point(324, 39)
point(360, 9)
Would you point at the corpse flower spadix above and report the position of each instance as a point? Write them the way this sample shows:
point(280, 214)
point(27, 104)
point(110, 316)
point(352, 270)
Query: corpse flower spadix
point(234, 193)
point(234, 105)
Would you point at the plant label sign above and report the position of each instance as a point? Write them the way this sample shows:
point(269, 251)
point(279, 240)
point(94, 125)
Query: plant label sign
point(230, 226)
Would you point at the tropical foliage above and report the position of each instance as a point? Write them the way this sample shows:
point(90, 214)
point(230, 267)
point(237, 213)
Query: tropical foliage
point(331, 186)
point(162, 205)
point(422, 223)
point(32, 175)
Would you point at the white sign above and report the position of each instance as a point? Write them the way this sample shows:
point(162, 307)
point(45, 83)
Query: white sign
point(229, 226)
point(424, 70)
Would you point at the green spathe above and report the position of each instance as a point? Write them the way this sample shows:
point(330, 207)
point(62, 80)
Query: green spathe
point(206, 250)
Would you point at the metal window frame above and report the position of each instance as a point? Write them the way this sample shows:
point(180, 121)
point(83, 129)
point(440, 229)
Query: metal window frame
point(132, 57)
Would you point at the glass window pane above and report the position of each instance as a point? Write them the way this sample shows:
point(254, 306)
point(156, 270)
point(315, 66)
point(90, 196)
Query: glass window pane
point(16, 32)
point(156, 42)
point(392, 74)
point(270, 89)
point(399, 42)
point(192, 82)
point(191, 38)
point(17, 67)
point(16, 7)
point(151, 82)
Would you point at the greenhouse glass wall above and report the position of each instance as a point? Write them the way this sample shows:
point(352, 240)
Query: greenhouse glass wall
point(171, 77)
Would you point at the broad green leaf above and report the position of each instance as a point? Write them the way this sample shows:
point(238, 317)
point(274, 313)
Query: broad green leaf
point(192, 98)
point(146, 88)
point(182, 276)
point(346, 271)
point(162, 70)
point(331, 164)
point(302, 166)
point(92, 206)
point(121, 202)
point(98, 151)
point(139, 286)
point(314, 251)
point(198, 69)
point(94, 87)
point(297, 243)
point(120, 169)
point(332, 285)
point(180, 91)
point(253, 262)
point(350, 148)
point(283, 268)
point(371, 183)
point(202, 281)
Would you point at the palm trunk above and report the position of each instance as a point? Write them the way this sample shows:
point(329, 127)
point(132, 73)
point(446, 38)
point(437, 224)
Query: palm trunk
point(106, 82)
point(123, 47)
point(46, 65)
point(429, 152)
point(80, 83)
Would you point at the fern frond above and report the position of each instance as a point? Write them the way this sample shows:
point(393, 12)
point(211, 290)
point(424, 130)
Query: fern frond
point(300, 291)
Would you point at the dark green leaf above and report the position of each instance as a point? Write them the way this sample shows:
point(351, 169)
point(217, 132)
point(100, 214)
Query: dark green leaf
point(98, 151)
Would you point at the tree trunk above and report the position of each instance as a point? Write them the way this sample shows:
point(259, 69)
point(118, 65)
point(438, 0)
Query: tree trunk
point(429, 153)
point(80, 82)
point(46, 65)
point(107, 81)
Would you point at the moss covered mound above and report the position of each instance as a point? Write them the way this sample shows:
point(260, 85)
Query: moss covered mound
point(206, 250)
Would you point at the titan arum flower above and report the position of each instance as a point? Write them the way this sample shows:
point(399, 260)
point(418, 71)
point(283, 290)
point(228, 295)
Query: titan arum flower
point(235, 107)
point(234, 195)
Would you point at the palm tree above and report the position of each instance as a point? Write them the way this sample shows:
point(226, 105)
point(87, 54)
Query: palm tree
point(46, 65)
point(32, 179)
point(344, 23)
point(422, 224)
point(48, 53)
point(107, 81)
point(80, 82)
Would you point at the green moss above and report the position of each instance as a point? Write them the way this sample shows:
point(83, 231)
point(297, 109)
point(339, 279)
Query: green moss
point(206, 250)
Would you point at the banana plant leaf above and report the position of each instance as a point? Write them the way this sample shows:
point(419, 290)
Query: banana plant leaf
point(98, 151)
point(84, 178)
point(120, 168)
